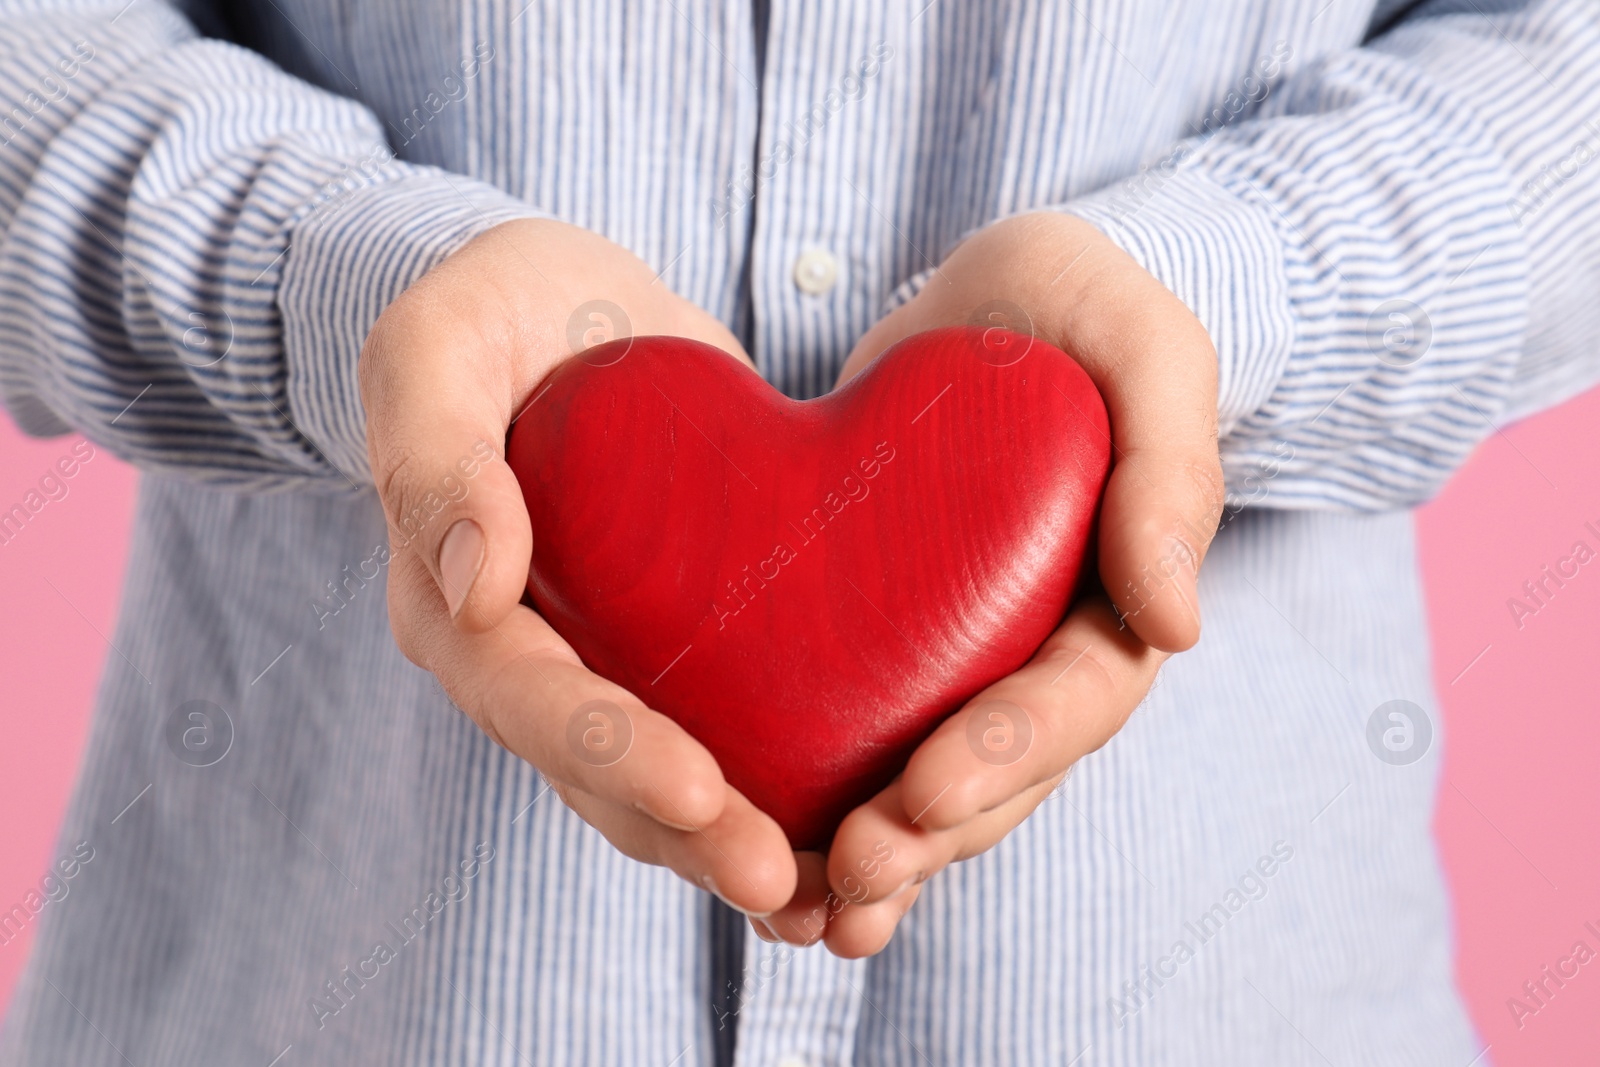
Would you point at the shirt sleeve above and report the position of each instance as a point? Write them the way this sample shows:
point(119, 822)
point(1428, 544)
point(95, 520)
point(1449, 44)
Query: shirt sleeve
point(196, 243)
point(1396, 249)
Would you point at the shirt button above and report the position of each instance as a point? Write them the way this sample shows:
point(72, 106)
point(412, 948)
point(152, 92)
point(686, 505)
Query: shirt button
point(815, 272)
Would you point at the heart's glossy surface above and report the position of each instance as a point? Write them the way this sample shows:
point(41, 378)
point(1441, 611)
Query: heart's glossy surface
point(809, 588)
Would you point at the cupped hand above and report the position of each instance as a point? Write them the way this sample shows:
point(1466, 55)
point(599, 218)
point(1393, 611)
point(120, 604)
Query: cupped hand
point(1060, 279)
point(444, 372)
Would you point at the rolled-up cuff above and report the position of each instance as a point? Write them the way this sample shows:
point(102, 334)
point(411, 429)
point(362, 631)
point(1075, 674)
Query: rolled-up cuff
point(1223, 256)
point(350, 254)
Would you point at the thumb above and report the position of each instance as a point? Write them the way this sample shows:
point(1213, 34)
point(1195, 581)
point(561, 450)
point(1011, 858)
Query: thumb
point(902, 322)
point(435, 437)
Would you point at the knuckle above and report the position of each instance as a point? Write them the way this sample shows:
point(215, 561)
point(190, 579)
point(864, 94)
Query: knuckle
point(562, 790)
point(373, 365)
point(405, 633)
point(1085, 666)
point(1205, 478)
point(408, 607)
point(1098, 667)
point(460, 697)
point(1198, 338)
point(480, 690)
point(575, 799)
point(481, 717)
point(466, 683)
point(394, 462)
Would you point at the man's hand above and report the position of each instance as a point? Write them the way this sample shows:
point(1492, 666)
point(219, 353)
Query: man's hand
point(446, 369)
point(1059, 278)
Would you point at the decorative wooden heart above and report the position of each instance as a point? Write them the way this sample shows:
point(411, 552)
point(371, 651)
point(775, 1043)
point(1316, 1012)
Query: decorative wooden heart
point(809, 588)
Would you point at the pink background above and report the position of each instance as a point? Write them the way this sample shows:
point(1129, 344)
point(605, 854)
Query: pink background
point(1519, 804)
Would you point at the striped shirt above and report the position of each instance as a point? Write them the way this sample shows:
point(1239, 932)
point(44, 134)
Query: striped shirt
point(1386, 214)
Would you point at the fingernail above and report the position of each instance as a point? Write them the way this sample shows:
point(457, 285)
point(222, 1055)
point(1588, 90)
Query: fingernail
point(764, 931)
point(460, 556)
point(711, 887)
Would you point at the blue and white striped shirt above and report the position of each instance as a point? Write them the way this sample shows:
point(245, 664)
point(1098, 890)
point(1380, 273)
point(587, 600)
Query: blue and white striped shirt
point(1387, 214)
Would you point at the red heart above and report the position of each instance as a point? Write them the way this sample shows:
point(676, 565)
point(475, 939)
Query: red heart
point(809, 588)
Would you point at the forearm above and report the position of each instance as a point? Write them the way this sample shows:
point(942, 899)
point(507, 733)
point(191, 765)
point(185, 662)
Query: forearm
point(1381, 286)
point(195, 244)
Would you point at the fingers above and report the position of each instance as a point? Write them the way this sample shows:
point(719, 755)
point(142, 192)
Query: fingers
point(634, 774)
point(981, 773)
point(876, 907)
point(865, 929)
point(1028, 728)
point(854, 898)
point(526, 689)
point(631, 772)
point(445, 371)
point(804, 917)
point(742, 857)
